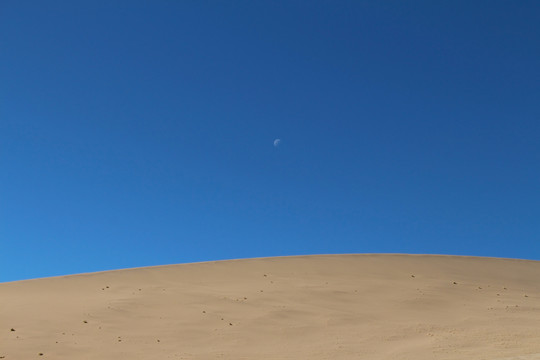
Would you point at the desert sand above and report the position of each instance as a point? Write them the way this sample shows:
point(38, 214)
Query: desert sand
point(305, 307)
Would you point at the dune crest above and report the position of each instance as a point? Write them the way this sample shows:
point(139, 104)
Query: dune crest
point(304, 307)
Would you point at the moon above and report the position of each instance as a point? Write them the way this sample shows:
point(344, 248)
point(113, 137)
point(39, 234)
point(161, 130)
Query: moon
point(276, 142)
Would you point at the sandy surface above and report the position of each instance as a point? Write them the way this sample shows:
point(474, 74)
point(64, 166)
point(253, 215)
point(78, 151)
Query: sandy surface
point(310, 307)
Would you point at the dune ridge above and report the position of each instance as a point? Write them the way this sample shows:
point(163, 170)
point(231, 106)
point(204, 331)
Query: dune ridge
point(360, 306)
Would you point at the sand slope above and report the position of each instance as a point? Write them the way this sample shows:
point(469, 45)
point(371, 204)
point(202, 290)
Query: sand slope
point(308, 307)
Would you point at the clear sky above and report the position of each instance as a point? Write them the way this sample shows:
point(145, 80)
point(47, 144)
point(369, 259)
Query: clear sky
point(137, 133)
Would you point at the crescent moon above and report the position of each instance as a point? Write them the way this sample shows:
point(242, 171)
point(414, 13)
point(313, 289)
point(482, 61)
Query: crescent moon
point(276, 142)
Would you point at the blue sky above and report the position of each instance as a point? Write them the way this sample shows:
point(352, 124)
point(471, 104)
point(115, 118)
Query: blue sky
point(136, 133)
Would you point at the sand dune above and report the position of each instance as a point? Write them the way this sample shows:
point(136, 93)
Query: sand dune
point(307, 307)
